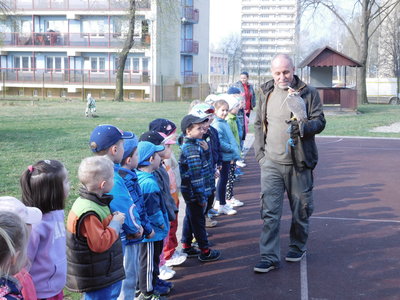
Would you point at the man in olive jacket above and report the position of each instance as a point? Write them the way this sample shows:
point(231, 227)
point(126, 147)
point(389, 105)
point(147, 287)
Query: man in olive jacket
point(285, 166)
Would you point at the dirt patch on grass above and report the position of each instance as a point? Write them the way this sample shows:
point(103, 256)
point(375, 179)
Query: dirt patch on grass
point(395, 128)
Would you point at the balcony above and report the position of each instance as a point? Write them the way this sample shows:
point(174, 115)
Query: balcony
point(189, 46)
point(71, 5)
point(70, 76)
point(62, 39)
point(190, 15)
point(190, 78)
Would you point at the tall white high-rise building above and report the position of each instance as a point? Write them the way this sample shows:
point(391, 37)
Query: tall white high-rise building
point(268, 27)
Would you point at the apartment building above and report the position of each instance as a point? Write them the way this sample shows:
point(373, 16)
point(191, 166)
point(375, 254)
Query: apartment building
point(69, 48)
point(268, 27)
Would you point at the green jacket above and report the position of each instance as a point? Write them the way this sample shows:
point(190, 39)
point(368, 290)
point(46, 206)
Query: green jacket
point(231, 120)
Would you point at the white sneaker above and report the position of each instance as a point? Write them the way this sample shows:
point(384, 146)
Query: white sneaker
point(216, 205)
point(241, 163)
point(235, 202)
point(227, 210)
point(175, 260)
point(180, 252)
point(166, 273)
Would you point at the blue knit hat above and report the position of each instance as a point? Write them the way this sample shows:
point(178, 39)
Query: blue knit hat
point(233, 90)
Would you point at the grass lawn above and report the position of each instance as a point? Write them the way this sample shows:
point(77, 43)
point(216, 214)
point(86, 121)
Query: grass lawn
point(59, 130)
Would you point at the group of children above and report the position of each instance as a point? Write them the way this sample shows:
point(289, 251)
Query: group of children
point(120, 240)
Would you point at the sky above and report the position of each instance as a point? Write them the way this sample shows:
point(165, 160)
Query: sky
point(224, 19)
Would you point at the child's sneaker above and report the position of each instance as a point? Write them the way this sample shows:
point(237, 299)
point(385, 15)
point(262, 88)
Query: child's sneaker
point(241, 163)
point(212, 213)
point(166, 272)
point(210, 222)
point(150, 297)
point(235, 202)
point(226, 210)
point(216, 205)
point(191, 252)
point(164, 283)
point(211, 256)
point(175, 260)
point(161, 290)
point(180, 252)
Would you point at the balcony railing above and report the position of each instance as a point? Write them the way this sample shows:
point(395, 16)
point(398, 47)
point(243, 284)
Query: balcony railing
point(189, 46)
point(88, 5)
point(71, 76)
point(190, 15)
point(51, 39)
point(190, 78)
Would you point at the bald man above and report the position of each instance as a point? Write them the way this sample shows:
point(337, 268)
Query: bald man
point(285, 167)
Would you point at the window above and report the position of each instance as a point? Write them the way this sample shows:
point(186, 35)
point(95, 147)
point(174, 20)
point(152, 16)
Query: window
point(135, 65)
point(94, 28)
point(56, 64)
point(97, 64)
point(24, 63)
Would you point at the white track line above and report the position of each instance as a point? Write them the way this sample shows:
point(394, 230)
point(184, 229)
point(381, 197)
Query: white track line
point(356, 219)
point(303, 278)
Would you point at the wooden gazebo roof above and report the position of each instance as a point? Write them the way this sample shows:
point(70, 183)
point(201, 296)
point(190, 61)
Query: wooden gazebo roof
point(328, 57)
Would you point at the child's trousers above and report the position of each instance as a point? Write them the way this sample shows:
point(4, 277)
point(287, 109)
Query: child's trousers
point(149, 259)
point(131, 266)
point(104, 293)
point(222, 182)
point(231, 181)
point(194, 224)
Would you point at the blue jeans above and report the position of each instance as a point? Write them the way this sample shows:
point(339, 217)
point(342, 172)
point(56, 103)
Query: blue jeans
point(131, 265)
point(194, 224)
point(104, 293)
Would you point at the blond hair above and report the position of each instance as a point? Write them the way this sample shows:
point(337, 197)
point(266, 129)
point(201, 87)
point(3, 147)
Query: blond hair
point(13, 243)
point(219, 103)
point(93, 170)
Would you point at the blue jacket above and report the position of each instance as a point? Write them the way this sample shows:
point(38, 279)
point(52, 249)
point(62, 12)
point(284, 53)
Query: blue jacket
point(131, 182)
point(229, 147)
point(196, 176)
point(155, 206)
point(122, 202)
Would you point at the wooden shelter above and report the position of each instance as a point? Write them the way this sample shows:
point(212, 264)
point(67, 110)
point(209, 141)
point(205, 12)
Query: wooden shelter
point(321, 63)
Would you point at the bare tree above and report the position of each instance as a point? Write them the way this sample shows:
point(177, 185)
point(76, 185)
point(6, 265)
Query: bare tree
point(371, 14)
point(390, 46)
point(123, 55)
point(231, 48)
point(165, 9)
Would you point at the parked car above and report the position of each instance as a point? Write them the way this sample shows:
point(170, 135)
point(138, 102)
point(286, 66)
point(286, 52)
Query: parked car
point(382, 90)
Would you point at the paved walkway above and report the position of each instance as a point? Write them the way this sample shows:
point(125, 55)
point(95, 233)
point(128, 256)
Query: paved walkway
point(354, 245)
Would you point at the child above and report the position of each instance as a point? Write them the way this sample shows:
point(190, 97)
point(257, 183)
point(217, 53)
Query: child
point(45, 185)
point(108, 140)
point(193, 165)
point(95, 259)
point(205, 110)
point(231, 119)
point(167, 130)
point(13, 242)
point(162, 178)
point(150, 249)
point(230, 153)
point(131, 257)
point(90, 105)
point(241, 121)
point(30, 215)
